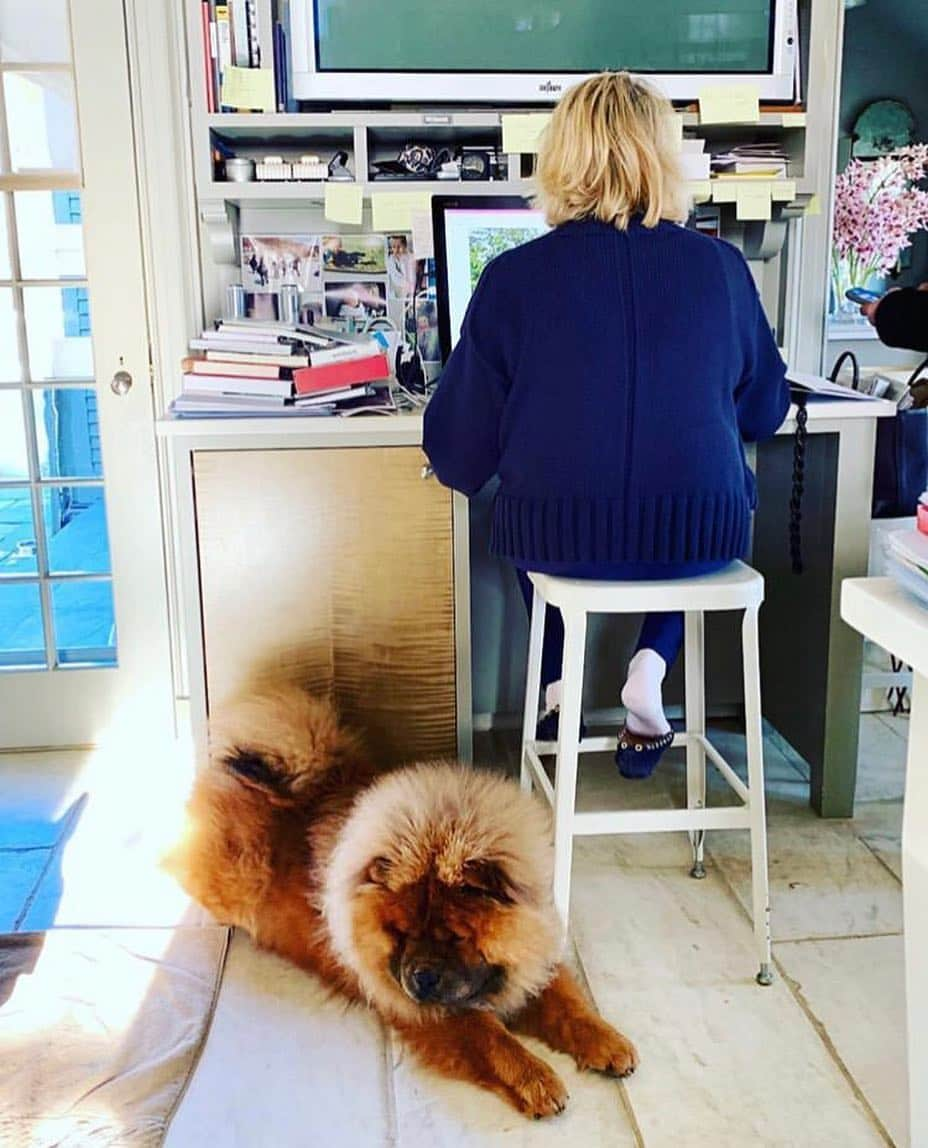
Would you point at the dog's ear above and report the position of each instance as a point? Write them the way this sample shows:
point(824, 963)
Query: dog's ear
point(489, 879)
point(257, 772)
point(378, 871)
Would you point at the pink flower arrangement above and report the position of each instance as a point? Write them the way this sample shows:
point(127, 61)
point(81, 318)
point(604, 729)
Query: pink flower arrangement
point(878, 208)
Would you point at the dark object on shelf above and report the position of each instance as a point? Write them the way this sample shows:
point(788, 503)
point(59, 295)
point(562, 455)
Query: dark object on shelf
point(408, 369)
point(415, 161)
point(338, 168)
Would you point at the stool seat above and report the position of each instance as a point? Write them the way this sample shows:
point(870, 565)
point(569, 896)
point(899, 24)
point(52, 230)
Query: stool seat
point(736, 587)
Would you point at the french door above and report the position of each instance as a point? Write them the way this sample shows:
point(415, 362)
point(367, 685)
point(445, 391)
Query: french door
point(84, 646)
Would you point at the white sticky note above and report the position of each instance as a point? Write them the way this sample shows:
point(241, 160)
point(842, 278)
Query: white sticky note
point(250, 89)
point(783, 190)
point(793, 119)
point(729, 104)
point(695, 165)
point(344, 202)
point(753, 201)
point(693, 147)
point(522, 133)
point(675, 128)
point(392, 210)
point(700, 190)
point(423, 241)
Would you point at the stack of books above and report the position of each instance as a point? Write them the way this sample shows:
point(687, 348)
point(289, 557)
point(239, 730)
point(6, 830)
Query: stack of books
point(757, 160)
point(242, 367)
point(907, 561)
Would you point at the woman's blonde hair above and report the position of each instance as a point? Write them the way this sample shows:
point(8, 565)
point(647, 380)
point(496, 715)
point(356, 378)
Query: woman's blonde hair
point(608, 153)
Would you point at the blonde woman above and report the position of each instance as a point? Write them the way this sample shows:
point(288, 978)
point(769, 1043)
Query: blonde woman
point(608, 374)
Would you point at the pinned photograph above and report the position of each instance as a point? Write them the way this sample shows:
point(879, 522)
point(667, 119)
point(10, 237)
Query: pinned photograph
point(401, 268)
point(354, 254)
point(358, 300)
point(271, 261)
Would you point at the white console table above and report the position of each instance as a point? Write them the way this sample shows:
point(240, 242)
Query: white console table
point(885, 613)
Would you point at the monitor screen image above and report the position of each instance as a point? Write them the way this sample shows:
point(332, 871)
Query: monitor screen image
point(543, 35)
point(469, 232)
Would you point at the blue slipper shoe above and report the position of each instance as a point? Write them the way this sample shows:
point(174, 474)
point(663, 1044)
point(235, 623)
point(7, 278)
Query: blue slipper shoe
point(637, 756)
point(547, 727)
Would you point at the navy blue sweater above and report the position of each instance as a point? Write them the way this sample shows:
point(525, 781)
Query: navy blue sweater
point(608, 378)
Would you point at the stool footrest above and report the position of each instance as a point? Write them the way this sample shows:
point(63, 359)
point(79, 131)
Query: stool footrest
point(660, 820)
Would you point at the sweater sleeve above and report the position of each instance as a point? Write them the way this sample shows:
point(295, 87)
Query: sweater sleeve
point(902, 319)
point(762, 394)
point(462, 419)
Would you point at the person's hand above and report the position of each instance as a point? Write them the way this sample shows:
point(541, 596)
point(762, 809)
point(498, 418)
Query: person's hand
point(868, 310)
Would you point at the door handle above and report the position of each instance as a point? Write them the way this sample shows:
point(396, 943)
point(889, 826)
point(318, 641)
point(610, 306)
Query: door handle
point(121, 383)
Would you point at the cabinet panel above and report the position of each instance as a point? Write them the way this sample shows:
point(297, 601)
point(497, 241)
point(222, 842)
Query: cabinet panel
point(333, 567)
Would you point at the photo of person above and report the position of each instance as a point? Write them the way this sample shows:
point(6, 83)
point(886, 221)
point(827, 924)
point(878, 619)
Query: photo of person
point(354, 254)
point(359, 300)
point(426, 312)
point(271, 261)
point(401, 268)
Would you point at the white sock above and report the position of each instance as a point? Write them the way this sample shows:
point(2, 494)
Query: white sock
point(641, 695)
point(553, 696)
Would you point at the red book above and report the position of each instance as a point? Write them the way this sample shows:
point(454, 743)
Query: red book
point(207, 57)
point(336, 376)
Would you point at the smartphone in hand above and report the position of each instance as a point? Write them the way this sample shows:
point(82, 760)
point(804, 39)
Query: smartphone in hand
point(861, 296)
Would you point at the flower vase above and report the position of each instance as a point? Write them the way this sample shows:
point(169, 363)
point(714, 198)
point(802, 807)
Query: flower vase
point(843, 278)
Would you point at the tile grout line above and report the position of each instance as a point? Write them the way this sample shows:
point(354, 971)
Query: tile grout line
point(866, 844)
point(624, 1096)
point(393, 1131)
point(54, 852)
point(817, 1026)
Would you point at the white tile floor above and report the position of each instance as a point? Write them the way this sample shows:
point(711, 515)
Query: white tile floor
point(815, 1060)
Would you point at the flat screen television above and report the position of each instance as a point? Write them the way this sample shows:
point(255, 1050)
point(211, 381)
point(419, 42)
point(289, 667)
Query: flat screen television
point(530, 51)
point(470, 230)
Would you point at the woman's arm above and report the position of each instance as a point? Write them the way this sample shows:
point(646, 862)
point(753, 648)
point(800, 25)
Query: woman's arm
point(762, 395)
point(901, 318)
point(461, 431)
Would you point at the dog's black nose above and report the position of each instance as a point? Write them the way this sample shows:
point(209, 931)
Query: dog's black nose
point(424, 983)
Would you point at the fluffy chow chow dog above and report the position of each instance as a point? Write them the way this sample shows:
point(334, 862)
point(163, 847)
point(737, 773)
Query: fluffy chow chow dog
point(423, 892)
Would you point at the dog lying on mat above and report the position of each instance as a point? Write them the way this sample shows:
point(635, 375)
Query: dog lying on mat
point(423, 891)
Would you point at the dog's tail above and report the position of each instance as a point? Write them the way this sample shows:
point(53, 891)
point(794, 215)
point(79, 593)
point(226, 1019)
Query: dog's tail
point(282, 741)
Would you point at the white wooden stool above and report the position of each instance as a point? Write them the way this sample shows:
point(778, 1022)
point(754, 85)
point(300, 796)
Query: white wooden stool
point(737, 587)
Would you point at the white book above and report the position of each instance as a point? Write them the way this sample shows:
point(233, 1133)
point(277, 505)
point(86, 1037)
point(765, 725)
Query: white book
point(236, 385)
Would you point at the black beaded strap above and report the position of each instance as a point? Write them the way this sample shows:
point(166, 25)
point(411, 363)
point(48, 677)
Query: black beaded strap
point(799, 481)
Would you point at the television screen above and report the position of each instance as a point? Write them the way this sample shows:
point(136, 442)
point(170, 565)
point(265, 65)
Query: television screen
point(469, 232)
point(540, 36)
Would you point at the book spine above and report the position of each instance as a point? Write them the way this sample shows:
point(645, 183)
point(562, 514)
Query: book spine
point(239, 26)
point(308, 380)
point(279, 97)
point(283, 16)
point(223, 47)
point(207, 56)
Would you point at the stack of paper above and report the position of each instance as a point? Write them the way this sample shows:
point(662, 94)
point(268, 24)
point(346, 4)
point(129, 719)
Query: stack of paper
point(759, 160)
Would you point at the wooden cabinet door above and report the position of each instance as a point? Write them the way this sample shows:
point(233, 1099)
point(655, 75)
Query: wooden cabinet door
point(333, 567)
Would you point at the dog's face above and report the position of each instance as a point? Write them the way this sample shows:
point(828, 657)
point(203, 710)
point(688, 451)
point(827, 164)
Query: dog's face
point(438, 930)
point(439, 893)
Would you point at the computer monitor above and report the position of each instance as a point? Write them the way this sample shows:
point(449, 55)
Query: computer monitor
point(470, 230)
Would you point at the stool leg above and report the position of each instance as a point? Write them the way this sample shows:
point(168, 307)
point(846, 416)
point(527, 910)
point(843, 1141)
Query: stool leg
point(532, 685)
point(568, 743)
point(755, 752)
point(695, 725)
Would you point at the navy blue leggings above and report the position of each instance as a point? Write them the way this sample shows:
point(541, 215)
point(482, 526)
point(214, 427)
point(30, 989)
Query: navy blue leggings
point(661, 632)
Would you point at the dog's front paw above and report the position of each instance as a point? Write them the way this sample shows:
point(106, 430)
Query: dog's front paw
point(540, 1092)
point(597, 1046)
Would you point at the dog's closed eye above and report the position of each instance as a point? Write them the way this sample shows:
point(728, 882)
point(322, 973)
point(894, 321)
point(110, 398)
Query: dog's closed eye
point(487, 879)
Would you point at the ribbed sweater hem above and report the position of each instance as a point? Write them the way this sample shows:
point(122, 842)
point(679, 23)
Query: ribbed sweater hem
point(661, 528)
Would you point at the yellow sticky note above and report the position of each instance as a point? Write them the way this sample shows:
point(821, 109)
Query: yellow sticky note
point(343, 202)
point(251, 89)
point(724, 191)
point(700, 190)
point(729, 104)
point(522, 133)
point(814, 206)
point(793, 119)
point(783, 190)
point(753, 201)
point(392, 210)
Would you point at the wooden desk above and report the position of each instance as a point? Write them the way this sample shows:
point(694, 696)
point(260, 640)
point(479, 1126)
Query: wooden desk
point(248, 564)
point(885, 613)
